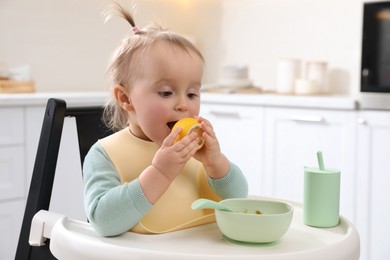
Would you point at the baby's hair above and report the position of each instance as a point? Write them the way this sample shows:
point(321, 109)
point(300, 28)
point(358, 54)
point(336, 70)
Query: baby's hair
point(117, 9)
point(124, 67)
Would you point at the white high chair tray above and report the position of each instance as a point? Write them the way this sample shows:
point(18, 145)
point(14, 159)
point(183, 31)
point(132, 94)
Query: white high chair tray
point(71, 239)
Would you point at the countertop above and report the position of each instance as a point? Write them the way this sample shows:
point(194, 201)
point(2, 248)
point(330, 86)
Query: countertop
point(325, 101)
point(99, 98)
point(40, 98)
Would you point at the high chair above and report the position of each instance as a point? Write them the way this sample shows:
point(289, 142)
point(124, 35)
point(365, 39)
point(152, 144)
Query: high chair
point(89, 129)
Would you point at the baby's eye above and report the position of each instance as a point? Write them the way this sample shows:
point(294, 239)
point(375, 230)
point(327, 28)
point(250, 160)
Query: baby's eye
point(192, 95)
point(165, 93)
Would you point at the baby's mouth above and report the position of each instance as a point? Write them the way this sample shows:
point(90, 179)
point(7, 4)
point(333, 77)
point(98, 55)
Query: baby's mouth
point(171, 124)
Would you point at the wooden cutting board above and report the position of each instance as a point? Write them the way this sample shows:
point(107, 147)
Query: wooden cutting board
point(12, 86)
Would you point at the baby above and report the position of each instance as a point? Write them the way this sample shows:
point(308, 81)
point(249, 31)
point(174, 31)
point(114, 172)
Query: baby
point(138, 178)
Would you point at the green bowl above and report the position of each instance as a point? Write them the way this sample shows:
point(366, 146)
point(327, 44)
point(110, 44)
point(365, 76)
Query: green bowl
point(247, 224)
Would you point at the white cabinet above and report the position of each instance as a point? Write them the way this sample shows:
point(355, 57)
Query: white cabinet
point(18, 146)
point(292, 139)
point(240, 133)
point(11, 215)
point(12, 179)
point(373, 175)
point(21, 118)
point(12, 127)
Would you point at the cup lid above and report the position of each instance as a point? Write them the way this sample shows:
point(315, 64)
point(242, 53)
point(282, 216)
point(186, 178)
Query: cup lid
point(317, 170)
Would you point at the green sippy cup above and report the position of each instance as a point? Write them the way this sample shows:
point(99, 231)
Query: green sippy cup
point(321, 200)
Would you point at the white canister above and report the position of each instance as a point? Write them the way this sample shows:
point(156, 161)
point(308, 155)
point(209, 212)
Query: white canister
point(316, 72)
point(305, 87)
point(288, 71)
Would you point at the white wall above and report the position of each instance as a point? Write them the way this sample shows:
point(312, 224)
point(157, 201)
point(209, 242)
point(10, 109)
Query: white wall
point(68, 46)
point(259, 33)
point(66, 42)
point(62, 41)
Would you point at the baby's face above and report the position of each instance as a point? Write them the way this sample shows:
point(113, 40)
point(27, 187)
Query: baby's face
point(167, 90)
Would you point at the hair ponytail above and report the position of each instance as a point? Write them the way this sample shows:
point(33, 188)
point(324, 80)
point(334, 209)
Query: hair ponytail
point(117, 10)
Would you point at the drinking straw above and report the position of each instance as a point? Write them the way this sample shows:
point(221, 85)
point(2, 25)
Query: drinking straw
point(320, 161)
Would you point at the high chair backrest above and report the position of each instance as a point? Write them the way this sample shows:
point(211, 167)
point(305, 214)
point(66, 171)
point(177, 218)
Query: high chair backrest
point(89, 129)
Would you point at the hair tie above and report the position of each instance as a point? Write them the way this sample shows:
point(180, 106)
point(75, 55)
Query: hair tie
point(135, 30)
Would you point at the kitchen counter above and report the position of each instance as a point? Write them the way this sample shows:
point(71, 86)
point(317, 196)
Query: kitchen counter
point(99, 98)
point(40, 98)
point(323, 102)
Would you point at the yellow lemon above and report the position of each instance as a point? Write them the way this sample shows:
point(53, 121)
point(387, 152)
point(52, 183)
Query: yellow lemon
point(189, 125)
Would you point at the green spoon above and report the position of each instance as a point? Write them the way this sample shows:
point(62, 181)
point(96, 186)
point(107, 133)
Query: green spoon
point(210, 204)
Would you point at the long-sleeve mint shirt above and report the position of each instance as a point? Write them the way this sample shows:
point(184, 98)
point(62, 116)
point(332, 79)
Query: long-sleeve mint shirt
point(113, 207)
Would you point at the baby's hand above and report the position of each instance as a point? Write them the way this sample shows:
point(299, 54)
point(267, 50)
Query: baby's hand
point(215, 163)
point(171, 158)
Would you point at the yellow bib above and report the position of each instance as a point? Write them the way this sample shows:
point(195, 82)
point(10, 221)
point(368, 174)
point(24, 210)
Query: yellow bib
point(131, 155)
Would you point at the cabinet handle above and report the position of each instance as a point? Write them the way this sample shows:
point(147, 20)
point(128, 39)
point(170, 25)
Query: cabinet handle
point(225, 114)
point(306, 118)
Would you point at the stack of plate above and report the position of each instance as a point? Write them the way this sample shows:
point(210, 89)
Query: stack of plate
point(234, 76)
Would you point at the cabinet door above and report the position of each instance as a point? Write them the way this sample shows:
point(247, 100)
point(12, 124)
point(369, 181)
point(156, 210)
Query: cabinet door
point(11, 214)
point(240, 130)
point(292, 139)
point(12, 177)
point(11, 130)
point(372, 198)
point(12, 171)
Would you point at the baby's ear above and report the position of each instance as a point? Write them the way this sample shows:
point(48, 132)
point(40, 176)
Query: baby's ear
point(122, 97)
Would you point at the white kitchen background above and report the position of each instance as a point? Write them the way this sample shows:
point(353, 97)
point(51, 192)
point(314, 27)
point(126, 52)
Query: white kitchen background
point(67, 44)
